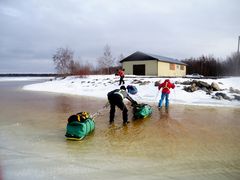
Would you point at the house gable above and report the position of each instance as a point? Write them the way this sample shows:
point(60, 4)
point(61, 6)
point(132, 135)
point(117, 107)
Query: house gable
point(140, 56)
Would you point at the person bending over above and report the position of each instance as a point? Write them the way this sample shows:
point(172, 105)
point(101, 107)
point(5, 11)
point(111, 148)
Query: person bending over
point(116, 98)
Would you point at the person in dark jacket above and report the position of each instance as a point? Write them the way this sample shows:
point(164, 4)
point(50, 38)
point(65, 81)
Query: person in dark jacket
point(116, 98)
point(166, 86)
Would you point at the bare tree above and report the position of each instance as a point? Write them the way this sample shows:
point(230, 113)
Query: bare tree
point(74, 67)
point(120, 57)
point(232, 64)
point(63, 60)
point(85, 69)
point(205, 65)
point(107, 60)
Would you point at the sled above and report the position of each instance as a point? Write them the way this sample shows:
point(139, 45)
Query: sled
point(77, 130)
point(141, 111)
point(132, 89)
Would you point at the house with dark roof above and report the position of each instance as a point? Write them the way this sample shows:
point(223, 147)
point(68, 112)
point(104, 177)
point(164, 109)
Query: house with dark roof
point(140, 63)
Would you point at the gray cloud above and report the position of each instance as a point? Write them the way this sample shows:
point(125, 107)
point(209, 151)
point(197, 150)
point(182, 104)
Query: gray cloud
point(31, 30)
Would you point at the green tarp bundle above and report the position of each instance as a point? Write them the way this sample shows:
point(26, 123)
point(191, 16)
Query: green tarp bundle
point(78, 129)
point(141, 111)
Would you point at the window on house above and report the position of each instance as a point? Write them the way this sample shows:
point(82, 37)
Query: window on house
point(182, 67)
point(172, 66)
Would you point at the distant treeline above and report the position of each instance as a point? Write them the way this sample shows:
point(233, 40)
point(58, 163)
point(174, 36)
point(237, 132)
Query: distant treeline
point(65, 64)
point(210, 66)
point(28, 75)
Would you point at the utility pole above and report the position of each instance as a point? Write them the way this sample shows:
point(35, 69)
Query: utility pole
point(238, 44)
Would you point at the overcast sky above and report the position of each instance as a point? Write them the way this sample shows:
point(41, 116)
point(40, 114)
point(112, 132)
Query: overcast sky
point(32, 30)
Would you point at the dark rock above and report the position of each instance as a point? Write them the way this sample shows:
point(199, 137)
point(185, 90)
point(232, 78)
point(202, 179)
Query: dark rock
point(135, 81)
point(217, 97)
point(237, 97)
point(186, 83)
point(223, 95)
point(203, 84)
point(209, 92)
point(190, 88)
point(205, 89)
point(234, 90)
point(157, 83)
point(196, 85)
point(145, 83)
point(177, 82)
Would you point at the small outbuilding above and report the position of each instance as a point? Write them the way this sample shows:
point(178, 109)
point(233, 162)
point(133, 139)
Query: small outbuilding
point(140, 63)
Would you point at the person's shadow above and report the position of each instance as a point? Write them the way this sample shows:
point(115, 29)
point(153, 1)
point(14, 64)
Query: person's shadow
point(164, 113)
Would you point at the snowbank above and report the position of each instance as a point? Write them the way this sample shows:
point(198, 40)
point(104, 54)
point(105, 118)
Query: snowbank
point(99, 86)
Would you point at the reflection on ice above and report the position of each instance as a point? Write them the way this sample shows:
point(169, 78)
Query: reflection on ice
point(184, 142)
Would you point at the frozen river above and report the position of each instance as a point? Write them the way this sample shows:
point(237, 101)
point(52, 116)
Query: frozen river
point(188, 142)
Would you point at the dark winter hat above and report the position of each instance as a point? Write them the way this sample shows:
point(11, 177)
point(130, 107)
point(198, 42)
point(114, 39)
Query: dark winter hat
point(123, 87)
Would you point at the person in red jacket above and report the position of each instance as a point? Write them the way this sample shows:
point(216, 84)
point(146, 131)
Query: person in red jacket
point(121, 74)
point(166, 86)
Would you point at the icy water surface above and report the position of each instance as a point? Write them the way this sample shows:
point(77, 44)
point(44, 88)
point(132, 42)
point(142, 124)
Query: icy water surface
point(187, 142)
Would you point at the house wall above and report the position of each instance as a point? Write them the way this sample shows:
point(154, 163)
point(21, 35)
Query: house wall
point(150, 67)
point(155, 68)
point(164, 69)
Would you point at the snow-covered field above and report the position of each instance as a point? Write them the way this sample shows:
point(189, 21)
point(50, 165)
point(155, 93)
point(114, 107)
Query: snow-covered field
point(100, 85)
